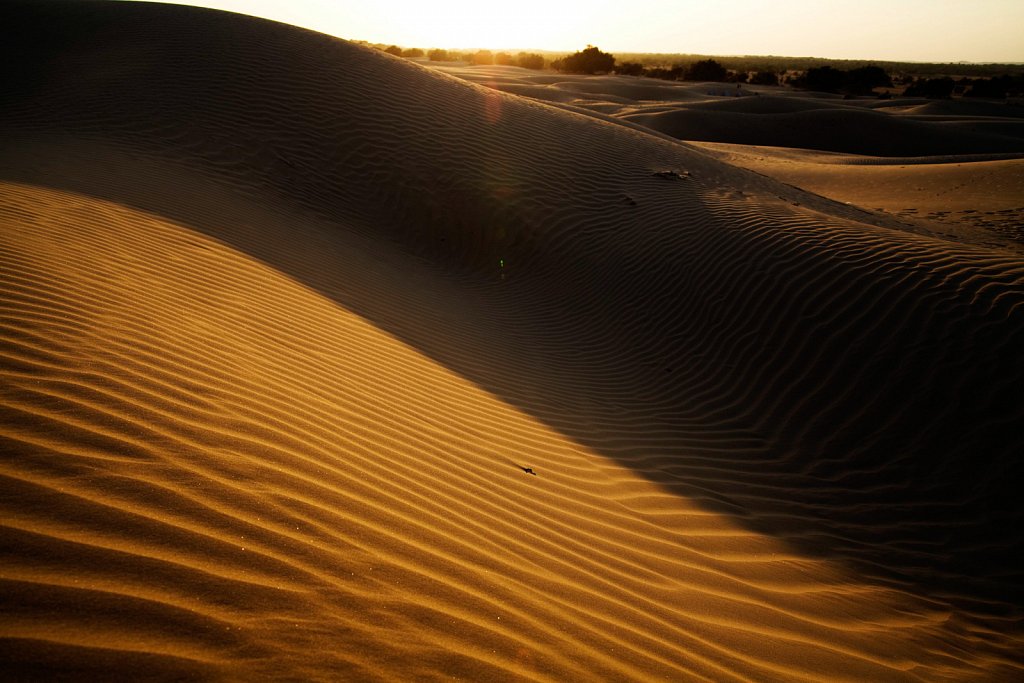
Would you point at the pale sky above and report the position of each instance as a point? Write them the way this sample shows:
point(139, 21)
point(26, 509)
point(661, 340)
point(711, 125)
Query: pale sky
point(899, 30)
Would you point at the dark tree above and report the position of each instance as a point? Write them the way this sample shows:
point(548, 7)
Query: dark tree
point(393, 50)
point(932, 88)
point(438, 55)
point(589, 61)
point(824, 79)
point(630, 69)
point(503, 58)
point(863, 80)
point(412, 53)
point(530, 60)
point(998, 87)
point(706, 70)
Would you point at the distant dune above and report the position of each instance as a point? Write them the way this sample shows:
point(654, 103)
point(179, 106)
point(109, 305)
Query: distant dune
point(317, 364)
point(838, 129)
point(774, 116)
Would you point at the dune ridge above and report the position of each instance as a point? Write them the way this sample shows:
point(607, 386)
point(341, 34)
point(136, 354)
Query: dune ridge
point(283, 319)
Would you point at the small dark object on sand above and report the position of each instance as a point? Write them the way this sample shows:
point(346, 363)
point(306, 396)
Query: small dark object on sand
point(528, 470)
point(672, 175)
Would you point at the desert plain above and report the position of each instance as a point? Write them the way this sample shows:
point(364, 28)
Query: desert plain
point(321, 364)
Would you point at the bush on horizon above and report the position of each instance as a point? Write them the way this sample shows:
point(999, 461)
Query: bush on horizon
point(706, 70)
point(482, 58)
point(764, 78)
point(997, 87)
point(859, 81)
point(822, 79)
point(862, 80)
point(588, 61)
point(673, 74)
point(438, 55)
point(932, 88)
point(530, 60)
point(630, 69)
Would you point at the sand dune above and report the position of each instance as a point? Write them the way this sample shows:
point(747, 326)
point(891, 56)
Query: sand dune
point(960, 107)
point(975, 199)
point(773, 116)
point(283, 320)
point(840, 130)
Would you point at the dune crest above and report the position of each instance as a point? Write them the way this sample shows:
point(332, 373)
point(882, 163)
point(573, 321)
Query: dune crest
point(285, 321)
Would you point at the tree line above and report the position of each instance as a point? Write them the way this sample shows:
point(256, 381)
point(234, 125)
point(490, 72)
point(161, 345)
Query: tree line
point(593, 61)
point(527, 60)
point(863, 79)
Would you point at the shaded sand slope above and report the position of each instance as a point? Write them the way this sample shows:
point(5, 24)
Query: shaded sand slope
point(959, 107)
point(839, 129)
point(282, 319)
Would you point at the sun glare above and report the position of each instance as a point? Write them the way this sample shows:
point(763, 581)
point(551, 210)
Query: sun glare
point(912, 30)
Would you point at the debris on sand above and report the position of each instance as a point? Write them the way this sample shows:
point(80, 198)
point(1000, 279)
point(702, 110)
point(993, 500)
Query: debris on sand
point(673, 175)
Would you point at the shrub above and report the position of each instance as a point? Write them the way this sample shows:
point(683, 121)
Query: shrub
point(859, 81)
point(438, 55)
point(673, 74)
point(503, 58)
point(824, 79)
point(482, 57)
point(630, 69)
point(706, 70)
point(764, 78)
point(932, 88)
point(863, 80)
point(530, 60)
point(393, 50)
point(997, 87)
point(412, 53)
point(588, 61)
